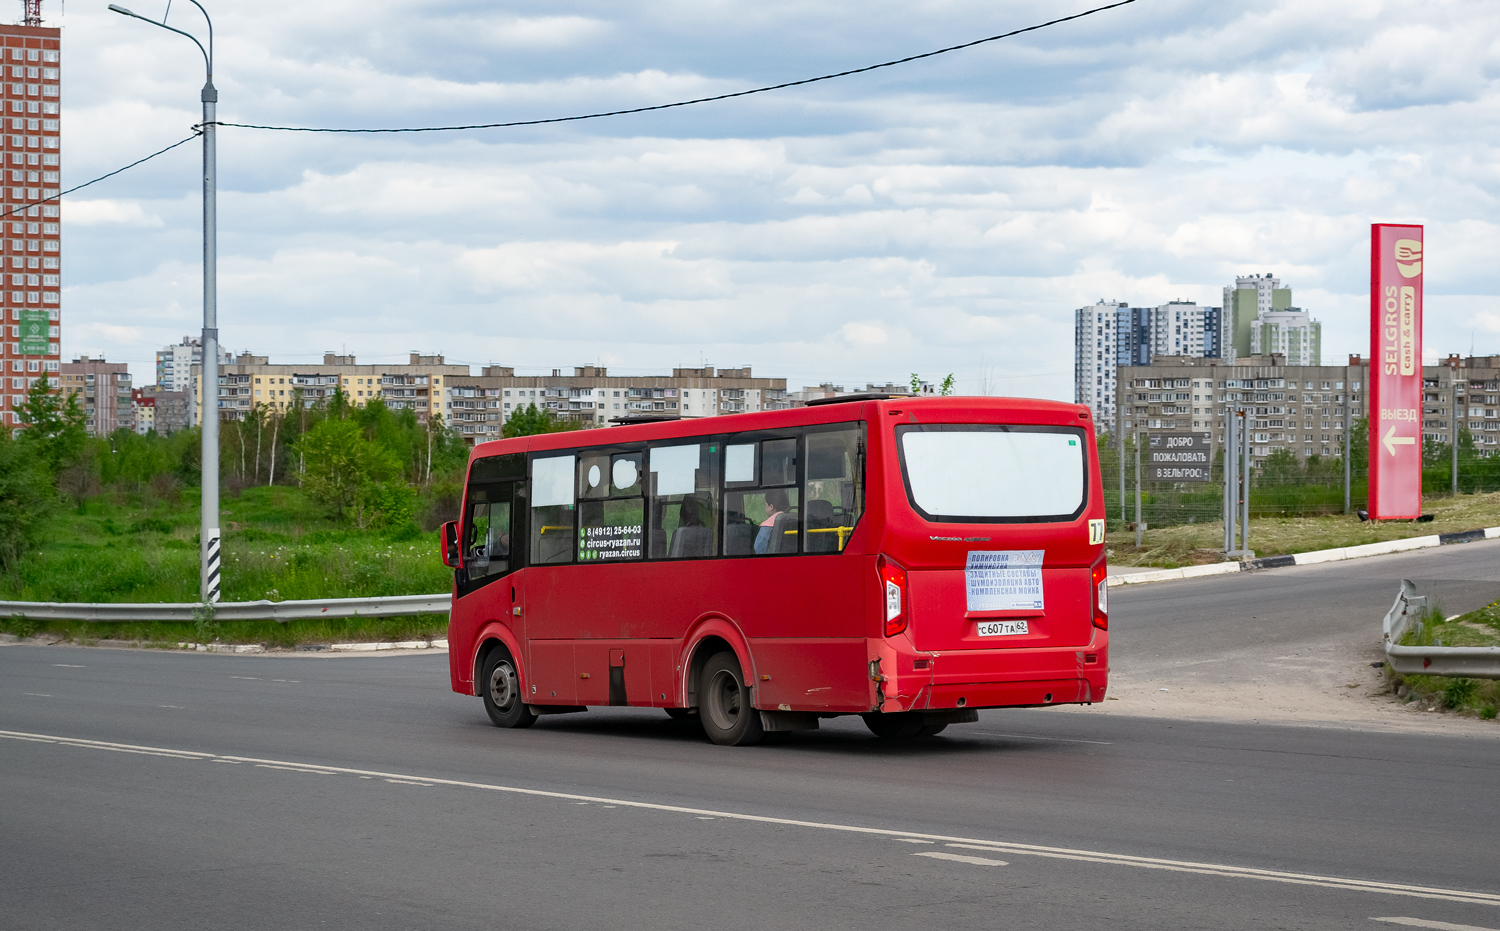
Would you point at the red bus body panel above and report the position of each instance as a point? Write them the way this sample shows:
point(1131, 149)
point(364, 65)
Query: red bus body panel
point(808, 629)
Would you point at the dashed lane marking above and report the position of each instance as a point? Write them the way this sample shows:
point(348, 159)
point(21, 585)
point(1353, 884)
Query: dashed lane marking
point(959, 858)
point(978, 844)
point(1437, 925)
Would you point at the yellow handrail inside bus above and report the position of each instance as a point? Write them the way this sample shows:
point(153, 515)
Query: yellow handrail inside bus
point(843, 532)
point(544, 528)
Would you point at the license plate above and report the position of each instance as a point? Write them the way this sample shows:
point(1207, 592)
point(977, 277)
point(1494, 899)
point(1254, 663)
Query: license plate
point(1001, 628)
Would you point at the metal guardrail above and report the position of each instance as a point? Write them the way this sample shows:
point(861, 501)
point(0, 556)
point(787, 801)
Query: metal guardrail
point(283, 611)
point(1471, 662)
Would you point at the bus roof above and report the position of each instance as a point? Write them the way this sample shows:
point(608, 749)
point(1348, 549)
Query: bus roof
point(1036, 410)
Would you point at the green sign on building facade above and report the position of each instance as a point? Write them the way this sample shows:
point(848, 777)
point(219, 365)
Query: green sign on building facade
point(34, 330)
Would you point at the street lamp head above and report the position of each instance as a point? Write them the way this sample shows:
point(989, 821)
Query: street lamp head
point(120, 9)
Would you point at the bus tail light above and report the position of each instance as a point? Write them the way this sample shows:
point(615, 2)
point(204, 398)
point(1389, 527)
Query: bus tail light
point(893, 583)
point(1100, 578)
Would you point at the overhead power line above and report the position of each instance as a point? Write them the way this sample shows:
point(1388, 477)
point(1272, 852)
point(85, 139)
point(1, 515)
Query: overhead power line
point(78, 187)
point(696, 100)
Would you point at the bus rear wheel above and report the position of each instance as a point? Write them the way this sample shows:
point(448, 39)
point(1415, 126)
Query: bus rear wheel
point(901, 725)
point(500, 686)
point(724, 703)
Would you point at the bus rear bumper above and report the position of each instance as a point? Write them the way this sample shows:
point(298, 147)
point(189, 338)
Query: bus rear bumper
point(1000, 678)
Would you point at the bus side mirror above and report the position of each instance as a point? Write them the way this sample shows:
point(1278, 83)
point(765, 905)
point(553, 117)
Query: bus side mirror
point(448, 542)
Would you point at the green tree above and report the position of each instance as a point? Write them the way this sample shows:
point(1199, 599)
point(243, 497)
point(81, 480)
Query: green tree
point(54, 426)
point(531, 420)
point(26, 497)
point(946, 388)
point(346, 471)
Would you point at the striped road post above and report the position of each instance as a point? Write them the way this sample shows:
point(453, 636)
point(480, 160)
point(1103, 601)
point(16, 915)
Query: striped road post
point(210, 586)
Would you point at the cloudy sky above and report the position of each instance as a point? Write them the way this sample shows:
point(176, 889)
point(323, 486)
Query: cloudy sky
point(942, 216)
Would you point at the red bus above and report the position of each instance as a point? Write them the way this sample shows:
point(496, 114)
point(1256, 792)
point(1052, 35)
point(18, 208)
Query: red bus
point(908, 560)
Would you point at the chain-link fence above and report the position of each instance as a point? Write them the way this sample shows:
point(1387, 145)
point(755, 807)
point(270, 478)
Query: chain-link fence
point(1281, 484)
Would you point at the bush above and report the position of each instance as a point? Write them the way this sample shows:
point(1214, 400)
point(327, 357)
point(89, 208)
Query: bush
point(1459, 692)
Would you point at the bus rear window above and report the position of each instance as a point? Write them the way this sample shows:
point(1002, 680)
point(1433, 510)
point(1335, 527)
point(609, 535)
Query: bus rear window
point(988, 473)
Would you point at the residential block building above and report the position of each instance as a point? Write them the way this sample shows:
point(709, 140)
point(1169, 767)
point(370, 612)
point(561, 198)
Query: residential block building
point(174, 364)
point(250, 380)
point(161, 409)
point(1302, 408)
point(477, 406)
point(103, 391)
point(30, 216)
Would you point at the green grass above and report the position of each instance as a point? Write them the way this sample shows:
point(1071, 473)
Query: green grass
point(1197, 543)
point(276, 545)
point(1479, 628)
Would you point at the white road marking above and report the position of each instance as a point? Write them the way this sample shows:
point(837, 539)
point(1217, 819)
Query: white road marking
point(1438, 925)
point(68, 666)
point(295, 768)
point(408, 782)
point(914, 840)
point(959, 858)
point(37, 694)
point(245, 677)
point(1034, 850)
point(178, 707)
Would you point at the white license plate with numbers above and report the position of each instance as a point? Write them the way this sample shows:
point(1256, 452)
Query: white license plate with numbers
point(1001, 628)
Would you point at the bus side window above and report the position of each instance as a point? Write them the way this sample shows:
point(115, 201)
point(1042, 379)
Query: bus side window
point(833, 488)
point(610, 508)
point(683, 506)
point(552, 510)
point(761, 498)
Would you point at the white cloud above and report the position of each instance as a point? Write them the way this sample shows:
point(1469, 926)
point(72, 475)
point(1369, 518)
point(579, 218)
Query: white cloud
point(944, 216)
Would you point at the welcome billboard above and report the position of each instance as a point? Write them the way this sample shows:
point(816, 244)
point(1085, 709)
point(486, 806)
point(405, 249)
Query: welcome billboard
point(1396, 262)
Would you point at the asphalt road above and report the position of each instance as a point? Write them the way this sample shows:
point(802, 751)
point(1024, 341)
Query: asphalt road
point(154, 790)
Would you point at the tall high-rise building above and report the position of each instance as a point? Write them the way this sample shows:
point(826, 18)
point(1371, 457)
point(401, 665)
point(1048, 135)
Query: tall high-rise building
point(1182, 328)
point(1292, 333)
point(30, 289)
point(174, 364)
point(1111, 334)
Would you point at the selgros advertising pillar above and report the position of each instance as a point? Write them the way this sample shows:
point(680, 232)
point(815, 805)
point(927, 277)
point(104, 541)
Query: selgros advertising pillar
point(1395, 371)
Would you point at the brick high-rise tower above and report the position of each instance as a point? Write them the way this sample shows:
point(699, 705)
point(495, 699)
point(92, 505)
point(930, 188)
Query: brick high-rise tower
point(30, 291)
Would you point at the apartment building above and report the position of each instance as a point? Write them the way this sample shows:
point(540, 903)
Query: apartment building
point(829, 390)
point(1259, 319)
point(249, 380)
point(160, 409)
point(174, 364)
point(477, 406)
point(1301, 408)
point(103, 391)
point(1473, 382)
point(30, 253)
point(1110, 334)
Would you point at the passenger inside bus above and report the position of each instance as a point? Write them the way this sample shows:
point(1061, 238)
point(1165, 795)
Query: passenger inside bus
point(775, 524)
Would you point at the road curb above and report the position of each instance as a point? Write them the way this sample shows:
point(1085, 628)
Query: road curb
point(1314, 557)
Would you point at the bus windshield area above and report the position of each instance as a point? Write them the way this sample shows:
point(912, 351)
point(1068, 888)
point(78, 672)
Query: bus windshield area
point(993, 473)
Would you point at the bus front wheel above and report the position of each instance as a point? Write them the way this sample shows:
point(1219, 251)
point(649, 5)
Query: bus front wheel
point(501, 688)
point(724, 703)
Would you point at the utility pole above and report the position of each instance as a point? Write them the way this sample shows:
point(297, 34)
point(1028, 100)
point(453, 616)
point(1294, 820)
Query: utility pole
point(1454, 379)
point(1231, 480)
point(1245, 486)
point(1138, 527)
point(208, 563)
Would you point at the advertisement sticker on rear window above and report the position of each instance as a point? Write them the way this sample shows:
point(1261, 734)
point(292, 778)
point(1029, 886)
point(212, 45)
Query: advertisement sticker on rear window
point(1004, 580)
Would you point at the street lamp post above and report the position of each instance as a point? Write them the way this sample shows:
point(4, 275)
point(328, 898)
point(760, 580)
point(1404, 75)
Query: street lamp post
point(208, 384)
